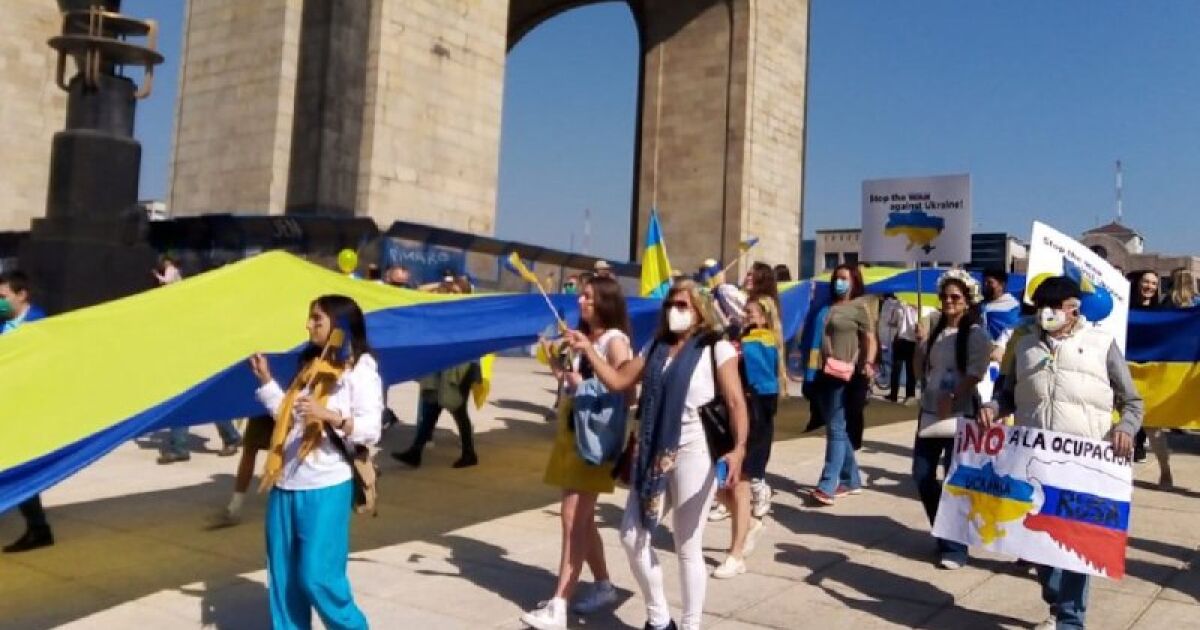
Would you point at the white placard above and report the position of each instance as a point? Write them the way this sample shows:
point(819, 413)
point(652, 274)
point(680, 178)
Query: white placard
point(918, 219)
point(1050, 498)
point(1105, 290)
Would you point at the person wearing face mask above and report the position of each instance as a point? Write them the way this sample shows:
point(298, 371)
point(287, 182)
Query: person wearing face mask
point(1063, 374)
point(15, 311)
point(571, 285)
point(848, 348)
point(680, 371)
point(1001, 310)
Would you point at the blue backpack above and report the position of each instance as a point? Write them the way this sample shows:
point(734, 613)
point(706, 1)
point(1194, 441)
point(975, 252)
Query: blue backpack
point(599, 418)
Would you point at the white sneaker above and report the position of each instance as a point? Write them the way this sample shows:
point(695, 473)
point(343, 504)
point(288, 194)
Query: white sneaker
point(732, 567)
point(756, 530)
point(760, 498)
point(549, 615)
point(602, 595)
point(225, 518)
point(951, 563)
point(718, 513)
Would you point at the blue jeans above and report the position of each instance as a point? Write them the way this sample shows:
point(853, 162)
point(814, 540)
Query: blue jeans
point(308, 542)
point(177, 441)
point(927, 454)
point(1066, 592)
point(885, 367)
point(841, 469)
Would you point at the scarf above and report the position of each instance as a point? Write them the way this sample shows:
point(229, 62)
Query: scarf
point(319, 377)
point(664, 392)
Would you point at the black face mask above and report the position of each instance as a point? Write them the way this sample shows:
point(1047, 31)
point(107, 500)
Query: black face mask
point(989, 294)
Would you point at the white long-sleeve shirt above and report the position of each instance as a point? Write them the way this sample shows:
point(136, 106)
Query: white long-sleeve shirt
point(358, 395)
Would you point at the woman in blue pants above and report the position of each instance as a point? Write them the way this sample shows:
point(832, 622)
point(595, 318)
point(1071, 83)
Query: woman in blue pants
point(308, 512)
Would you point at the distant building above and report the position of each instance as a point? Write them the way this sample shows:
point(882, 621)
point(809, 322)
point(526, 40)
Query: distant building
point(836, 247)
point(1124, 248)
point(808, 258)
point(997, 250)
point(155, 210)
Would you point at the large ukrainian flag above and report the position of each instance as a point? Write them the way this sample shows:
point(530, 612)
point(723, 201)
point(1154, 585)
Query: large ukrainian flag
point(1163, 350)
point(656, 268)
point(77, 385)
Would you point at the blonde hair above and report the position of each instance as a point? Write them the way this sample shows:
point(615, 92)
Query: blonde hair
point(709, 323)
point(770, 309)
point(1183, 288)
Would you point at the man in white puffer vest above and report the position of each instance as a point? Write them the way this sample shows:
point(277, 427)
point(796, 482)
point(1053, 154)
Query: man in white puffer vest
point(1063, 374)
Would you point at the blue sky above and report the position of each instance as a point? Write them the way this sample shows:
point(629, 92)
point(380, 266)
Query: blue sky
point(1035, 99)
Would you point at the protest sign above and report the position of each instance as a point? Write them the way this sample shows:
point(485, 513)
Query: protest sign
point(920, 219)
point(1105, 291)
point(1050, 498)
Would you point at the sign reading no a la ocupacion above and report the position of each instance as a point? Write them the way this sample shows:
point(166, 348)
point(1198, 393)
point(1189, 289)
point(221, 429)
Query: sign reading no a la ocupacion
point(917, 219)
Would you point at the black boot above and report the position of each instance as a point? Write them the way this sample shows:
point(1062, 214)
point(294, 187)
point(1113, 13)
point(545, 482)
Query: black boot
point(669, 626)
point(412, 457)
point(467, 460)
point(34, 538)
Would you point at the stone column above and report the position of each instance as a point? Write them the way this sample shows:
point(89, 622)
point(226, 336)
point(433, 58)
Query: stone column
point(723, 127)
point(435, 81)
point(234, 112)
point(32, 108)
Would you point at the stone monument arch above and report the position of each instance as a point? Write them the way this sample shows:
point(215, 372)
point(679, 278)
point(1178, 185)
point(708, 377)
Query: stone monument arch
point(391, 109)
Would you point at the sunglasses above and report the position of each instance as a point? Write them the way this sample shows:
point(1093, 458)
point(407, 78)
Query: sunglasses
point(678, 305)
point(951, 297)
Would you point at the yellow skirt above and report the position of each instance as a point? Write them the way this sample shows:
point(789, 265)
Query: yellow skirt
point(566, 469)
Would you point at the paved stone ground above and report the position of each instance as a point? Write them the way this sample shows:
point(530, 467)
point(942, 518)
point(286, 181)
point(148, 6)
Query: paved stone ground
point(476, 547)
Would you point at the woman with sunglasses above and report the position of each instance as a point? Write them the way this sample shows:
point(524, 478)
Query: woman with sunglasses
point(952, 362)
point(672, 466)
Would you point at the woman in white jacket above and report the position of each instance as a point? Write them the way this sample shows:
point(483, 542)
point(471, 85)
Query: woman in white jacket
point(308, 512)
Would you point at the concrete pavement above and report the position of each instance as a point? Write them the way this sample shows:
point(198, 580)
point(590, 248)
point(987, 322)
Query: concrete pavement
point(476, 547)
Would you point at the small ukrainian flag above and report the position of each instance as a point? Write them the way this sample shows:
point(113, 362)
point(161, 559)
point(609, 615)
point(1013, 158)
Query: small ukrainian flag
point(656, 268)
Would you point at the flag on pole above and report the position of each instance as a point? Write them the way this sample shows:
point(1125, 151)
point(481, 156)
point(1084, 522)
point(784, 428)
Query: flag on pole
point(656, 269)
point(517, 266)
point(747, 244)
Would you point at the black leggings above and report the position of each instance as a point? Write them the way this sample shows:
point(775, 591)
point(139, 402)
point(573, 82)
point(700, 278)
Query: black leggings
point(430, 410)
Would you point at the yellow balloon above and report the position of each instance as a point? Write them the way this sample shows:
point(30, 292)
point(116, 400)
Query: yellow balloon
point(347, 260)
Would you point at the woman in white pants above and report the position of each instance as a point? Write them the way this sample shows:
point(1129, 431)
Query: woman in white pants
point(672, 461)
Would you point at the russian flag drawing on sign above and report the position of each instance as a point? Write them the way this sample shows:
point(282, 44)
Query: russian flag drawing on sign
point(1094, 527)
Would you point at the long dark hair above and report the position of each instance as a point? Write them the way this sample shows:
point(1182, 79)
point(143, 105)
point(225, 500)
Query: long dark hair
point(856, 282)
point(608, 303)
point(765, 284)
point(345, 314)
point(1135, 281)
point(973, 317)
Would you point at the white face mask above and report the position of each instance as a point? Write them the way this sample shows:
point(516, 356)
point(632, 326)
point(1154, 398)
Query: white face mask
point(679, 321)
point(1052, 319)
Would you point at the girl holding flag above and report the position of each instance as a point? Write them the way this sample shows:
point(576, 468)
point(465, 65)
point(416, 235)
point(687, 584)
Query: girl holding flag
point(337, 389)
point(604, 318)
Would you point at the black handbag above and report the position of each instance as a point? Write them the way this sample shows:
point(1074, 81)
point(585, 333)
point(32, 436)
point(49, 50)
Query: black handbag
point(714, 416)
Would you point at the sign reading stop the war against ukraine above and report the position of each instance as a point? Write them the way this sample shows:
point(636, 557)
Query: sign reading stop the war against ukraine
point(1049, 498)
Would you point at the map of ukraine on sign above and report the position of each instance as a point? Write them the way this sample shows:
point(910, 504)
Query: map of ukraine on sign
point(1049, 498)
